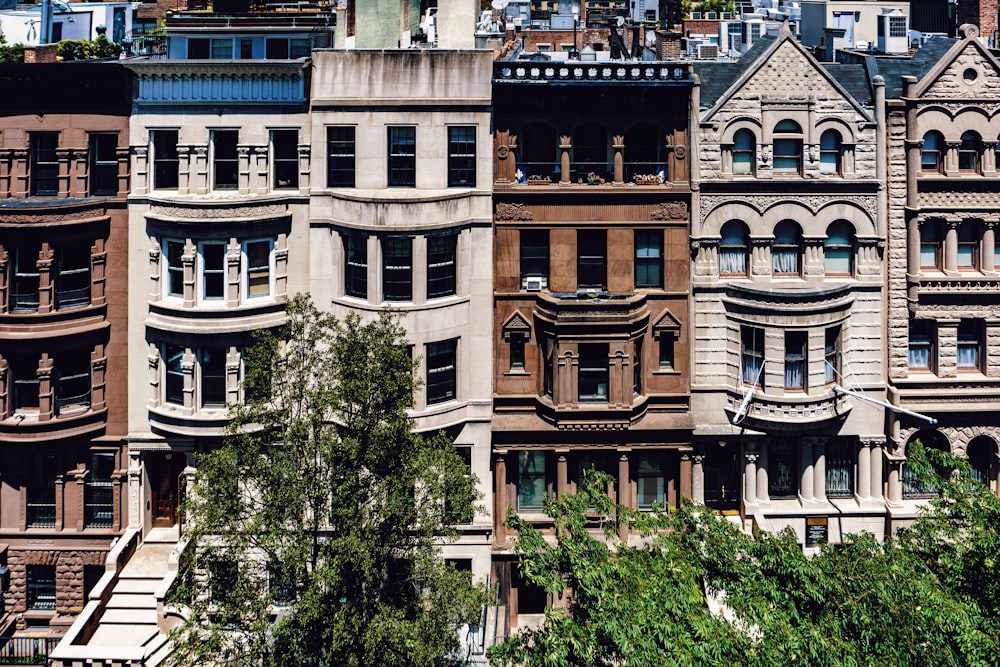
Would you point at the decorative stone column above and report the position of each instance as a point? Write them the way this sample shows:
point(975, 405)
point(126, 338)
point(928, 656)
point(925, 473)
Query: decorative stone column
point(46, 291)
point(913, 247)
point(562, 474)
point(895, 479)
point(618, 144)
point(806, 470)
point(760, 255)
point(46, 390)
point(135, 499)
point(698, 479)
point(190, 277)
point(141, 182)
point(686, 473)
point(877, 446)
point(864, 485)
point(625, 495)
point(706, 256)
point(243, 168)
point(184, 165)
point(987, 249)
point(500, 499)
point(188, 364)
point(819, 469)
point(305, 172)
point(763, 494)
point(813, 263)
point(989, 163)
point(951, 246)
point(951, 158)
point(565, 144)
point(750, 478)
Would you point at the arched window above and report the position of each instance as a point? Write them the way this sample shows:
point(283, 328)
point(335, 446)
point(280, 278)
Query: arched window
point(538, 152)
point(913, 487)
point(733, 249)
point(970, 153)
point(981, 452)
point(744, 152)
point(788, 148)
point(830, 153)
point(838, 249)
point(931, 155)
point(590, 152)
point(787, 248)
point(930, 245)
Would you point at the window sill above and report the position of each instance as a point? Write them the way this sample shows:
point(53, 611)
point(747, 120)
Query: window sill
point(666, 371)
point(517, 373)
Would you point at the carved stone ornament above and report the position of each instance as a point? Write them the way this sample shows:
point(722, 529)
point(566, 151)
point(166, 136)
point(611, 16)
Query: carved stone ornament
point(677, 210)
point(760, 203)
point(223, 210)
point(680, 151)
point(502, 152)
point(511, 211)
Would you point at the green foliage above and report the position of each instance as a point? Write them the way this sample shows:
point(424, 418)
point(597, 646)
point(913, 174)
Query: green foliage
point(927, 598)
point(10, 53)
point(717, 6)
point(322, 487)
point(81, 49)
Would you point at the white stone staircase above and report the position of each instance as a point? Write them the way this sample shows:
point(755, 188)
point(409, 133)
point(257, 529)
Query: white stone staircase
point(127, 632)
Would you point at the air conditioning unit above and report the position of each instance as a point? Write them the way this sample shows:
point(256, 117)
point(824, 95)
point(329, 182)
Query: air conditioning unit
point(726, 16)
point(696, 15)
point(711, 15)
point(533, 283)
point(708, 52)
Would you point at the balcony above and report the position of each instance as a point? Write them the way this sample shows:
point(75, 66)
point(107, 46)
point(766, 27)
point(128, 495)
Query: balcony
point(640, 74)
point(569, 312)
point(790, 413)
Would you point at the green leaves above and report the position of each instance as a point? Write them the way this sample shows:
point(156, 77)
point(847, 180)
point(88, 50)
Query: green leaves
point(927, 598)
point(322, 492)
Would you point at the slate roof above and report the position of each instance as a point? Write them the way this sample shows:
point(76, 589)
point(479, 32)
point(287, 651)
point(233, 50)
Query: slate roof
point(716, 77)
point(854, 79)
point(916, 65)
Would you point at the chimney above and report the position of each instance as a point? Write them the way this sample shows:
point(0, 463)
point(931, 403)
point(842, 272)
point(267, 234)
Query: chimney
point(42, 53)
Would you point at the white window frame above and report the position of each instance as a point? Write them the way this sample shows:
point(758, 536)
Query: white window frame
point(201, 269)
point(245, 271)
point(165, 277)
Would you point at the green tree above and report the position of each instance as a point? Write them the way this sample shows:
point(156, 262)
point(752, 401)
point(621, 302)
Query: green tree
point(927, 598)
point(10, 53)
point(314, 526)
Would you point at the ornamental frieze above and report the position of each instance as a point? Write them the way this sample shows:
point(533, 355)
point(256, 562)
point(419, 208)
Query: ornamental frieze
point(513, 212)
point(955, 201)
point(677, 210)
point(760, 203)
point(39, 216)
point(217, 210)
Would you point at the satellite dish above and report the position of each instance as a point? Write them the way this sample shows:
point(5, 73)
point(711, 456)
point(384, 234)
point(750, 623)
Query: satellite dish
point(499, 4)
point(621, 21)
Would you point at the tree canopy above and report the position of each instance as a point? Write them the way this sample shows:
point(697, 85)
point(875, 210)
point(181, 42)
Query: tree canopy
point(313, 528)
point(698, 591)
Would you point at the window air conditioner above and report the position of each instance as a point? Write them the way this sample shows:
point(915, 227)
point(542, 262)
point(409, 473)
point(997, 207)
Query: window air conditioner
point(533, 283)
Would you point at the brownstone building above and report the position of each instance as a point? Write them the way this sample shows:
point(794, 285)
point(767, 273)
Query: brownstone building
point(63, 389)
point(591, 284)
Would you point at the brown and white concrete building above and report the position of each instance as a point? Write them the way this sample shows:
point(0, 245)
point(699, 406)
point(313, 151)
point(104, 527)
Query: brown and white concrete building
point(64, 177)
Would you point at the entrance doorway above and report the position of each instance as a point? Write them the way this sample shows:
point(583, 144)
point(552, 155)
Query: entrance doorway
point(722, 477)
point(164, 471)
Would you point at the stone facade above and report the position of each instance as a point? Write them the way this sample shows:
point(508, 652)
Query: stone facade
point(787, 287)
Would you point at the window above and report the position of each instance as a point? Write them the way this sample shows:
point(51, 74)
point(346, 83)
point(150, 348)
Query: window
point(340, 157)
point(548, 367)
point(830, 153)
point(174, 389)
point(930, 245)
point(838, 249)
point(72, 284)
point(787, 249)
point(213, 377)
point(223, 573)
point(24, 373)
point(649, 482)
point(593, 380)
point(921, 353)
point(649, 259)
point(174, 252)
point(517, 352)
point(213, 271)
point(441, 372)
point(530, 480)
point(839, 468)
point(103, 164)
point(752, 354)
point(462, 156)
point(534, 256)
point(970, 153)
point(931, 161)
point(591, 258)
point(246, 49)
point(257, 259)
point(795, 360)
point(831, 355)
point(98, 496)
point(666, 350)
point(222, 49)
point(897, 26)
point(970, 343)
point(356, 265)
point(44, 174)
point(782, 468)
point(397, 270)
point(40, 592)
point(440, 266)
point(280, 584)
point(788, 148)
point(283, 48)
point(733, 249)
point(402, 157)
point(166, 165)
point(40, 510)
point(25, 277)
point(637, 368)
point(285, 148)
point(968, 245)
point(913, 486)
point(225, 160)
point(91, 575)
point(71, 378)
point(981, 454)
point(744, 153)
point(198, 48)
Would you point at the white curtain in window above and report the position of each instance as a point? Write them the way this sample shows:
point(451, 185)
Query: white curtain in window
point(793, 373)
point(967, 356)
point(733, 260)
point(919, 357)
point(786, 261)
point(751, 368)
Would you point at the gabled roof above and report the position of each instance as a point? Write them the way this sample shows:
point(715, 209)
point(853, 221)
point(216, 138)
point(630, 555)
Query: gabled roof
point(717, 77)
point(785, 39)
point(892, 69)
point(969, 47)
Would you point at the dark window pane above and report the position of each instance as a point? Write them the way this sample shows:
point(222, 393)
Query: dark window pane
point(440, 266)
point(165, 161)
point(593, 372)
point(535, 255)
point(592, 255)
point(225, 161)
point(258, 255)
point(99, 492)
point(461, 156)
point(24, 279)
point(174, 392)
point(356, 266)
point(44, 175)
point(286, 158)
point(340, 157)
point(213, 377)
point(72, 381)
point(397, 272)
point(213, 257)
point(649, 258)
point(441, 372)
point(103, 164)
point(402, 157)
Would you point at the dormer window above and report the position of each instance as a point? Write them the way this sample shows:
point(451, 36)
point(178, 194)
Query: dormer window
point(744, 153)
point(970, 153)
point(931, 160)
point(831, 153)
point(788, 148)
